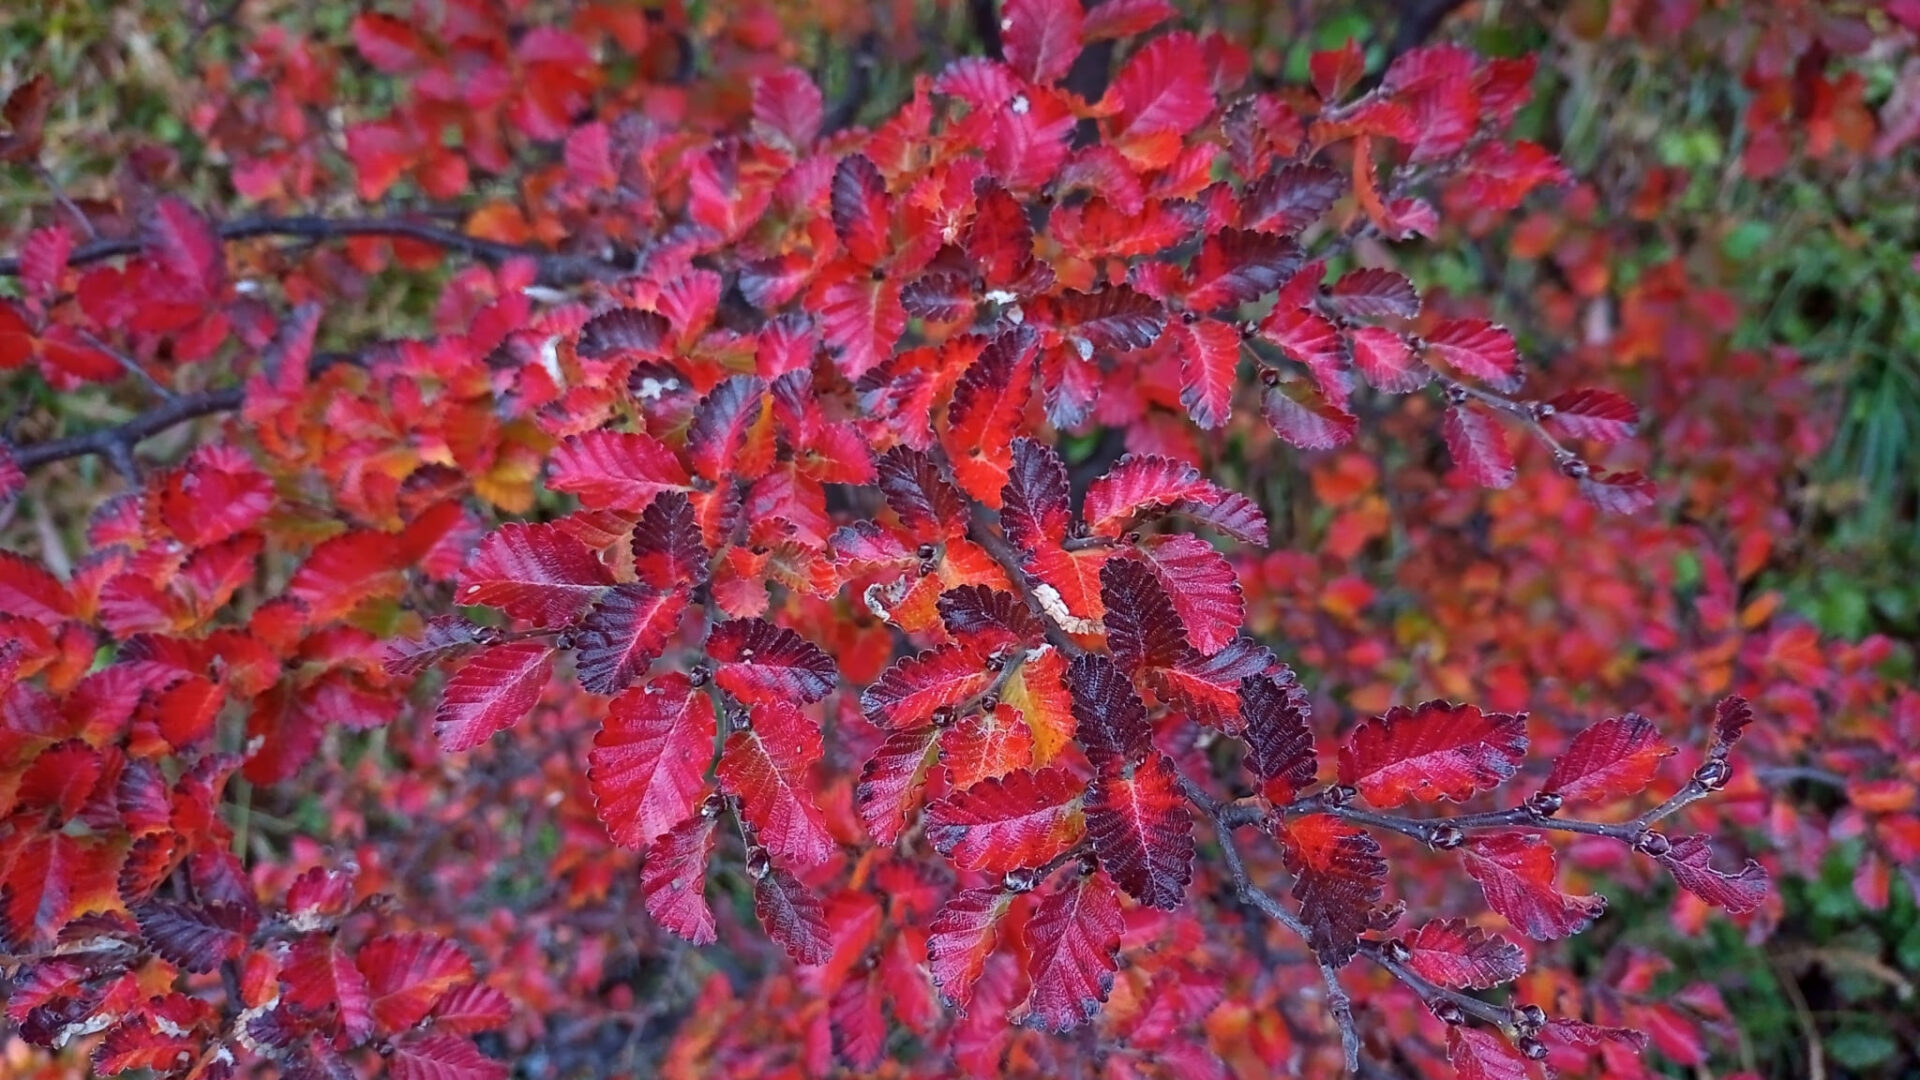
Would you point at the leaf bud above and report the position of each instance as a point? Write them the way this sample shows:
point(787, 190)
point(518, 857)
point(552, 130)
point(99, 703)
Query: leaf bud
point(1021, 880)
point(758, 862)
point(698, 674)
point(1449, 1012)
point(1456, 394)
point(1532, 1048)
point(1713, 775)
point(1339, 795)
point(1653, 843)
point(989, 703)
point(1269, 376)
point(1446, 838)
point(1397, 951)
point(711, 806)
point(1529, 1018)
point(926, 551)
point(1545, 803)
point(1575, 468)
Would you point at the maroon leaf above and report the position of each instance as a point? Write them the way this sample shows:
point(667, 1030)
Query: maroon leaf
point(624, 633)
point(1304, 417)
point(1274, 722)
point(1140, 484)
point(1517, 871)
point(1202, 585)
point(1110, 717)
point(760, 662)
point(668, 550)
point(1431, 752)
point(1207, 688)
point(1338, 877)
point(1073, 941)
point(1142, 628)
point(1291, 198)
point(791, 914)
point(1690, 861)
point(1209, 352)
point(1479, 447)
point(1114, 319)
point(1730, 717)
point(621, 331)
point(1041, 37)
point(980, 610)
point(926, 503)
point(1237, 266)
point(1450, 952)
point(1371, 293)
point(862, 211)
point(426, 1056)
point(1387, 362)
point(1034, 510)
point(1617, 492)
point(1142, 832)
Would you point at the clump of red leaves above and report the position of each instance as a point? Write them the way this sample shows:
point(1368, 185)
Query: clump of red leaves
point(979, 740)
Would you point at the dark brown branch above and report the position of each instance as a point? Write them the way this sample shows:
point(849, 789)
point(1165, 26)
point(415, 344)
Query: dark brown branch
point(116, 443)
point(553, 268)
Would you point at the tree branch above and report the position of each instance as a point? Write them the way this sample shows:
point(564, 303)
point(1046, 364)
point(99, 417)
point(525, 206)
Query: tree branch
point(116, 443)
point(553, 268)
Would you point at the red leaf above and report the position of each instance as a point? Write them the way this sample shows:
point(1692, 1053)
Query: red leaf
point(986, 410)
point(1600, 415)
point(491, 692)
point(985, 744)
point(1142, 832)
point(766, 767)
point(624, 633)
point(649, 759)
point(862, 210)
point(445, 637)
point(1478, 446)
point(1274, 719)
point(1238, 266)
point(1110, 718)
point(533, 572)
point(792, 915)
point(673, 878)
point(466, 1010)
point(1125, 18)
point(1618, 492)
point(1235, 514)
point(858, 1025)
point(198, 938)
point(1335, 71)
point(1034, 511)
point(1372, 293)
point(1517, 872)
point(1162, 88)
point(787, 104)
point(1482, 1055)
point(1339, 878)
point(388, 43)
point(1142, 484)
point(1207, 688)
point(914, 688)
point(668, 550)
point(1302, 416)
point(760, 662)
point(1384, 359)
point(1476, 348)
point(614, 470)
point(424, 1056)
point(959, 940)
point(1452, 953)
point(407, 974)
point(1306, 337)
point(1204, 589)
point(1431, 752)
point(1611, 760)
point(891, 783)
point(1142, 628)
point(180, 240)
point(1073, 944)
point(29, 591)
point(1209, 353)
point(318, 974)
point(1018, 821)
point(1041, 37)
point(1690, 861)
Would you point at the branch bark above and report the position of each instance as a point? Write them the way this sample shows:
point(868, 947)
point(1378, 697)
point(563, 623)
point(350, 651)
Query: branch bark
point(553, 268)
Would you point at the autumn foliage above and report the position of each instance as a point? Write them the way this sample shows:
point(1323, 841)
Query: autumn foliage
point(839, 542)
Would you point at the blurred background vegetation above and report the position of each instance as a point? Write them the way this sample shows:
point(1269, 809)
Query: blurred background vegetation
point(1819, 255)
